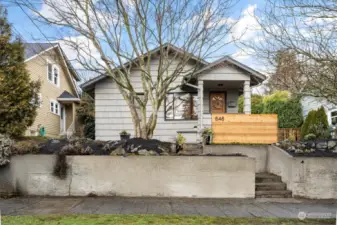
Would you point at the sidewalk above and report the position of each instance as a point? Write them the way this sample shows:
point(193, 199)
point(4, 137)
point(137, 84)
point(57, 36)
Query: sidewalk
point(204, 207)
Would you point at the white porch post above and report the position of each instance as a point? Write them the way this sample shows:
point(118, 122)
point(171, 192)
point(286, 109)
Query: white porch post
point(201, 107)
point(247, 97)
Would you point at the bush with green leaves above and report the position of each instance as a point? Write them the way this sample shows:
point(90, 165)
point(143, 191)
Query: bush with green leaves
point(256, 104)
point(288, 109)
point(316, 123)
point(18, 94)
point(86, 115)
point(5, 149)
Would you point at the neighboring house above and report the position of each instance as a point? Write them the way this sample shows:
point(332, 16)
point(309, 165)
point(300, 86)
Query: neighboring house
point(58, 95)
point(313, 103)
point(186, 110)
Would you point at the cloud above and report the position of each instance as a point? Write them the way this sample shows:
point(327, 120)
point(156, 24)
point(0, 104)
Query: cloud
point(80, 50)
point(247, 26)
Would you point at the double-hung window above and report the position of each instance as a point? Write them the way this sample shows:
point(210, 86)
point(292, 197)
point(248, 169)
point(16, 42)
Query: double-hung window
point(53, 74)
point(333, 115)
point(54, 107)
point(181, 106)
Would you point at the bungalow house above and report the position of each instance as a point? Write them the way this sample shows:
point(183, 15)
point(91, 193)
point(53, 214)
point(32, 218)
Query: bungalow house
point(215, 89)
point(56, 112)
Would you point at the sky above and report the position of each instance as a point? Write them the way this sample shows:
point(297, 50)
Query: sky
point(245, 9)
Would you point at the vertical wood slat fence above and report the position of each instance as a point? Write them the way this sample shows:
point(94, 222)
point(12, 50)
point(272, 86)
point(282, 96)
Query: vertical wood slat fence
point(289, 133)
point(245, 128)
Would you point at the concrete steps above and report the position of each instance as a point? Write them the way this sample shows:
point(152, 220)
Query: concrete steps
point(269, 185)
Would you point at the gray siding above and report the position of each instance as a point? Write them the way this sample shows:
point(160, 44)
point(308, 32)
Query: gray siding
point(113, 114)
point(311, 103)
point(228, 73)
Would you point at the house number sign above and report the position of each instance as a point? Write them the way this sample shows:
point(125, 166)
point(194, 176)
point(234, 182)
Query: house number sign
point(219, 118)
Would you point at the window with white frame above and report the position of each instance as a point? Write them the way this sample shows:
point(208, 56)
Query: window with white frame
point(38, 101)
point(54, 107)
point(333, 115)
point(53, 74)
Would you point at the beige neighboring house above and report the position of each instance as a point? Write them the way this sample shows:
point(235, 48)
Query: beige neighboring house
point(58, 96)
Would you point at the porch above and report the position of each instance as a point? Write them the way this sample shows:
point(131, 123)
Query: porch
point(68, 122)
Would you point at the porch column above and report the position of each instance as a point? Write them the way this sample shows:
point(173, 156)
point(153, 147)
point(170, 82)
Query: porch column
point(74, 116)
point(247, 95)
point(201, 107)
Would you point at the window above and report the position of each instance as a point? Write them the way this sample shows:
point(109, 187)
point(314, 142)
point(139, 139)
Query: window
point(37, 102)
point(181, 106)
point(53, 74)
point(50, 72)
point(54, 107)
point(56, 75)
point(333, 118)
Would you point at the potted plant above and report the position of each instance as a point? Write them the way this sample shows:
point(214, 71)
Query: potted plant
point(124, 135)
point(207, 134)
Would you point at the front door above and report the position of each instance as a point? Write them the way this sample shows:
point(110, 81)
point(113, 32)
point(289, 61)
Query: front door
point(62, 119)
point(217, 102)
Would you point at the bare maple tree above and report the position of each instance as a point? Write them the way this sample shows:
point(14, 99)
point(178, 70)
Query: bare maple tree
point(123, 32)
point(305, 30)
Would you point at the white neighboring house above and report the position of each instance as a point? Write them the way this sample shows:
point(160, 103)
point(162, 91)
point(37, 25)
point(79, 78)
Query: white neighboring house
point(313, 103)
point(187, 109)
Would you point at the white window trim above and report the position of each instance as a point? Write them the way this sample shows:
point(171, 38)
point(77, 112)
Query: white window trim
point(330, 117)
point(39, 96)
point(55, 103)
point(39, 102)
point(54, 66)
point(58, 75)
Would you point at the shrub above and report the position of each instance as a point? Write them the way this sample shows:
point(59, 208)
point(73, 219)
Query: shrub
point(89, 128)
point(289, 110)
point(18, 93)
point(5, 149)
point(256, 104)
point(309, 137)
point(180, 141)
point(316, 123)
point(25, 147)
point(86, 115)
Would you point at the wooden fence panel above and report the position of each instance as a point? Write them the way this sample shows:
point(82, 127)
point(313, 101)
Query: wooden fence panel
point(244, 128)
point(289, 133)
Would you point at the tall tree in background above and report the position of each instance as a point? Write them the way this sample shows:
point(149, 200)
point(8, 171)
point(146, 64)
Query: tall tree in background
point(123, 32)
point(18, 98)
point(287, 76)
point(308, 29)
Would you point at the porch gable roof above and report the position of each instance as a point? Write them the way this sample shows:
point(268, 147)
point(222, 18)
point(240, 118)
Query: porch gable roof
point(259, 77)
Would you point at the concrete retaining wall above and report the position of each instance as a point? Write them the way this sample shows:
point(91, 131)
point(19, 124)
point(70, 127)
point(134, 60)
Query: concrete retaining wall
point(168, 176)
point(259, 152)
point(308, 177)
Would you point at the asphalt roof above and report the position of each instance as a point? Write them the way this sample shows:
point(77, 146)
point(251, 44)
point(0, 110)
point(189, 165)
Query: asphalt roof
point(32, 49)
point(66, 94)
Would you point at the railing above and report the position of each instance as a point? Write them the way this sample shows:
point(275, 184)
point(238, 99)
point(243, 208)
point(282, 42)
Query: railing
point(71, 130)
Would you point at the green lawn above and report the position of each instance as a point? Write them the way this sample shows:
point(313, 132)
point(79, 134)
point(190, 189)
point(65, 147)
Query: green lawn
point(150, 219)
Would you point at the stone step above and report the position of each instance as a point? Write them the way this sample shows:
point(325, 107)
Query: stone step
point(190, 152)
point(192, 147)
point(270, 186)
point(273, 194)
point(267, 177)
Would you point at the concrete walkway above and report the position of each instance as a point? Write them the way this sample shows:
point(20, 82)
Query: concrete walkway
point(207, 207)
